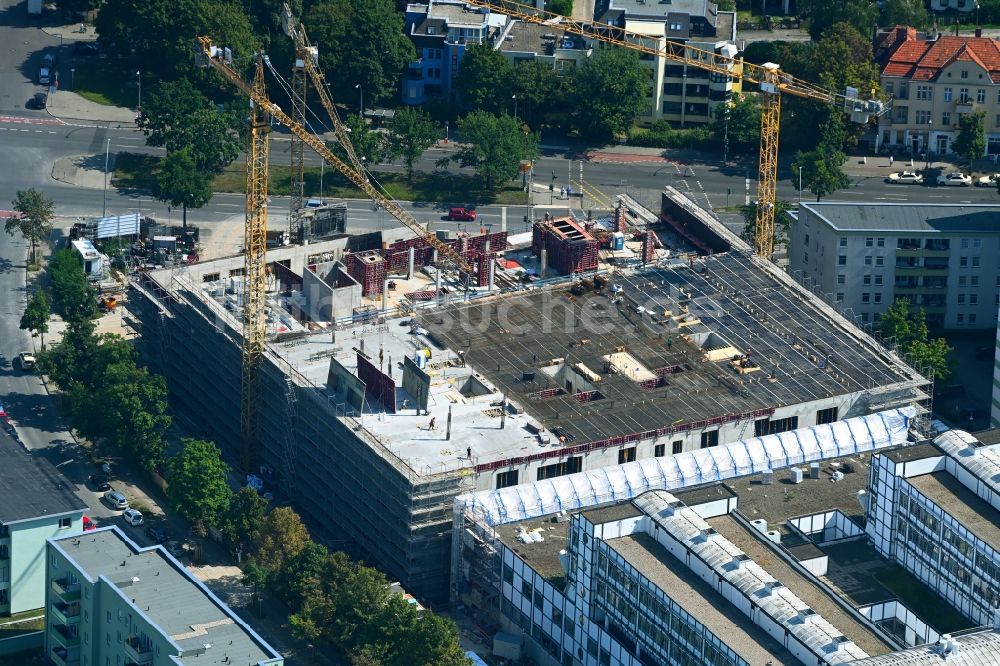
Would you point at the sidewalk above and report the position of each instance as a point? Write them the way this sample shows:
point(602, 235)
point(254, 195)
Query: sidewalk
point(68, 106)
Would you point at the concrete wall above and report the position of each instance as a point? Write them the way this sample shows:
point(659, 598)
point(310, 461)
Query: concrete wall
point(27, 558)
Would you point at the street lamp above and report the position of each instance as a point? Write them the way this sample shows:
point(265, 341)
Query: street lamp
point(138, 77)
point(800, 185)
point(361, 100)
point(107, 157)
point(514, 97)
point(930, 126)
point(72, 78)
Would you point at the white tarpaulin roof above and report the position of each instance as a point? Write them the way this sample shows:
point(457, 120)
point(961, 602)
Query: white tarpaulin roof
point(117, 225)
point(691, 468)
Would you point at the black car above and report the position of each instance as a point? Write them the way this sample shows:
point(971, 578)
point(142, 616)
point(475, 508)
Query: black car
point(156, 533)
point(99, 482)
point(40, 100)
point(86, 49)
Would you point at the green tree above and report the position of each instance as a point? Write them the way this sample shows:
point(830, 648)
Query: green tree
point(73, 297)
point(484, 81)
point(782, 221)
point(615, 85)
point(494, 146)
point(904, 12)
point(241, 521)
point(821, 172)
point(65, 361)
point(255, 576)
point(908, 329)
point(300, 579)
point(411, 133)
point(36, 315)
point(362, 42)
point(402, 636)
point(198, 482)
point(537, 88)
point(971, 140)
point(229, 24)
point(34, 219)
point(743, 126)
point(370, 146)
point(281, 537)
point(132, 407)
point(154, 34)
point(180, 183)
point(822, 14)
point(562, 7)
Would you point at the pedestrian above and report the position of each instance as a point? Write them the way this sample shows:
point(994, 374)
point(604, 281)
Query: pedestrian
point(431, 426)
point(890, 160)
point(670, 343)
point(468, 452)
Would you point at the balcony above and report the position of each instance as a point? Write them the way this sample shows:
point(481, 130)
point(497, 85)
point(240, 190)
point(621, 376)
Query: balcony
point(61, 657)
point(919, 252)
point(65, 590)
point(139, 652)
point(63, 613)
point(65, 636)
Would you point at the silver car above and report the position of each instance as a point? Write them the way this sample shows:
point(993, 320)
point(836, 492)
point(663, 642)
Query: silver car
point(116, 500)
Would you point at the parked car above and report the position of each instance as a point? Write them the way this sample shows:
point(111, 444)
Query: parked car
point(175, 548)
point(156, 534)
point(99, 482)
point(116, 500)
point(462, 215)
point(50, 60)
point(954, 179)
point(88, 524)
point(133, 517)
point(988, 181)
point(27, 360)
point(905, 178)
point(44, 76)
point(86, 49)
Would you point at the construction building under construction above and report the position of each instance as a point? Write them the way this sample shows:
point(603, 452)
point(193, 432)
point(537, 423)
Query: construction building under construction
point(380, 403)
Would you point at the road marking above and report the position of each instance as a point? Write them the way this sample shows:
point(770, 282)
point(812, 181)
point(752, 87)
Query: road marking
point(746, 186)
point(30, 121)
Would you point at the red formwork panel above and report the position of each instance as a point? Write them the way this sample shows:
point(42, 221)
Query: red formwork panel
point(648, 247)
point(485, 265)
point(369, 269)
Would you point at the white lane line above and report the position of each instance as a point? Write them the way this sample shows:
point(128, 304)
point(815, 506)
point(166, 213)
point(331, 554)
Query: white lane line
point(746, 186)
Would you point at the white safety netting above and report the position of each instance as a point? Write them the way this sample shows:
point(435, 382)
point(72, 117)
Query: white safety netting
point(691, 468)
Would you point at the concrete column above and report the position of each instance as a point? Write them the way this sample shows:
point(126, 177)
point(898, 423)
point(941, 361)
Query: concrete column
point(409, 265)
point(543, 268)
point(448, 434)
point(385, 294)
point(437, 281)
point(503, 218)
point(492, 268)
point(434, 257)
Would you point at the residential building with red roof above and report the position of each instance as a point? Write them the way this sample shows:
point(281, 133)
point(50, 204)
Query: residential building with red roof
point(932, 83)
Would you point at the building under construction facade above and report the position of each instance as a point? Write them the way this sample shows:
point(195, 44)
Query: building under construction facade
point(377, 410)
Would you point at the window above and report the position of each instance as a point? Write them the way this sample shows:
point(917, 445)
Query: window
point(864, 317)
point(878, 297)
point(947, 94)
point(889, 88)
point(964, 74)
point(867, 279)
point(946, 118)
point(974, 281)
point(972, 318)
point(981, 95)
point(571, 465)
point(902, 114)
point(710, 438)
point(840, 297)
point(879, 261)
point(507, 479)
point(923, 117)
point(866, 297)
point(841, 279)
point(826, 416)
point(659, 450)
point(904, 91)
point(963, 261)
point(677, 446)
point(878, 279)
point(978, 242)
point(842, 260)
point(973, 299)
point(962, 280)
point(626, 455)
point(925, 93)
point(526, 589)
point(960, 318)
point(880, 242)
point(65, 523)
point(843, 242)
point(961, 299)
point(963, 95)
point(975, 262)
point(869, 242)
point(868, 260)
point(965, 243)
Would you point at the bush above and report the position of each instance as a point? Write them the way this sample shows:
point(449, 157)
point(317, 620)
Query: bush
point(662, 135)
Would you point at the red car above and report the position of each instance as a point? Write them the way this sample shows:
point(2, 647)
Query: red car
point(462, 215)
point(88, 524)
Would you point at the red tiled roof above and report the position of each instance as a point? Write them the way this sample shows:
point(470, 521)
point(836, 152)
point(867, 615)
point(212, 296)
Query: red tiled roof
point(923, 60)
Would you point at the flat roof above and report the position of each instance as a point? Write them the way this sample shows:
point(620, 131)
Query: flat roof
point(542, 556)
point(915, 452)
point(535, 38)
point(167, 595)
point(648, 8)
point(966, 506)
point(805, 589)
point(907, 217)
point(31, 486)
point(700, 600)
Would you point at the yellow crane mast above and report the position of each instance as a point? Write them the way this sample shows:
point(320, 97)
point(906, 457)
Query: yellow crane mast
point(772, 81)
point(254, 267)
point(213, 56)
point(300, 87)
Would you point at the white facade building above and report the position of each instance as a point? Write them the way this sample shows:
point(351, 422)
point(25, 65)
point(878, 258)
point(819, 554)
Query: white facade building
point(944, 258)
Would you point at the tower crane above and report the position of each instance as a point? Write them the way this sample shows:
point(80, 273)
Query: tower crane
point(772, 81)
point(213, 56)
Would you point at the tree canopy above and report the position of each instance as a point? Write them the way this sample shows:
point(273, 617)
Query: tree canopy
point(179, 182)
point(484, 81)
point(241, 521)
point(73, 297)
point(281, 537)
point(908, 329)
point(743, 126)
point(861, 14)
point(615, 88)
point(821, 172)
point(494, 146)
point(36, 315)
point(411, 133)
point(971, 140)
point(34, 222)
point(198, 485)
point(904, 12)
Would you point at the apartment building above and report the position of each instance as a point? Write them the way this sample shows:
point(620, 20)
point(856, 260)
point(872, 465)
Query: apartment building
point(109, 601)
point(681, 94)
point(932, 508)
point(36, 503)
point(963, 6)
point(944, 258)
point(933, 81)
point(995, 403)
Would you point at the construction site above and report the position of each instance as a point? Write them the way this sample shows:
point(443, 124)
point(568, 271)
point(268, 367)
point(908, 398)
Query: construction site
point(389, 386)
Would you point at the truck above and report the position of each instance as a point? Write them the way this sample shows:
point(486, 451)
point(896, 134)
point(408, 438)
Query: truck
point(34, 7)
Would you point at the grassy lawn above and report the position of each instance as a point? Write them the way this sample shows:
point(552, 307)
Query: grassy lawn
point(93, 81)
point(433, 187)
point(929, 606)
point(22, 623)
point(134, 171)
